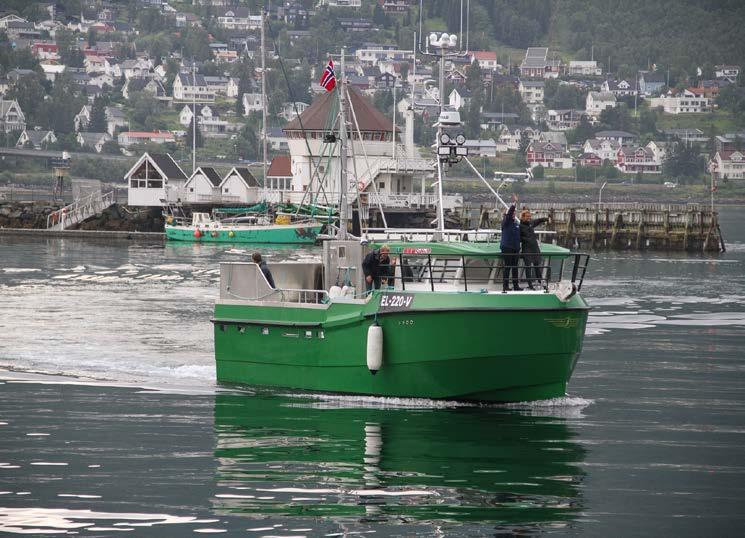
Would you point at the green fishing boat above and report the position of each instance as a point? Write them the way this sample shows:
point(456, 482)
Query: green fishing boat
point(443, 329)
point(247, 229)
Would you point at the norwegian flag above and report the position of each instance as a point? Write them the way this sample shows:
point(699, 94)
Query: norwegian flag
point(328, 78)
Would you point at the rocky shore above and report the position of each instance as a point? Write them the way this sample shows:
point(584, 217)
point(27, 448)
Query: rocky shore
point(116, 218)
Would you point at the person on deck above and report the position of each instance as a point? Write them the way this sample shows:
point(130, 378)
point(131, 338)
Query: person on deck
point(509, 244)
point(376, 266)
point(530, 249)
point(256, 257)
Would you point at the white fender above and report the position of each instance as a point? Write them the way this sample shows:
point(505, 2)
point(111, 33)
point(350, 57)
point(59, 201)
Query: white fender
point(566, 290)
point(334, 291)
point(374, 348)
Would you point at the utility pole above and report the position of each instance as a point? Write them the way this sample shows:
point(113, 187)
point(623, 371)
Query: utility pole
point(263, 99)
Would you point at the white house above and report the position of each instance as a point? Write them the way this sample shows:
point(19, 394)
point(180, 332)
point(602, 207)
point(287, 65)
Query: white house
point(154, 179)
point(252, 102)
point(127, 138)
point(279, 174)
point(459, 98)
point(487, 59)
point(604, 149)
point(619, 88)
point(186, 115)
point(684, 103)
point(511, 136)
point(238, 18)
point(232, 87)
point(563, 120)
point(482, 148)
point(203, 185)
point(239, 185)
point(584, 68)
point(11, 116)
point(37, 139)
point(531, 91)
point(729, 164)
point(660, 150)
point(596, 102)
point(188, 87)
point(291, 110)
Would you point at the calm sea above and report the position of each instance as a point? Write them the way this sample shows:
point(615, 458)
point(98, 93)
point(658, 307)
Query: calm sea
point(111, 421)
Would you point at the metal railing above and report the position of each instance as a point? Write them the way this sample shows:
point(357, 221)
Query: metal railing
point(481, 235)
point(79, 210)
point(478, 272)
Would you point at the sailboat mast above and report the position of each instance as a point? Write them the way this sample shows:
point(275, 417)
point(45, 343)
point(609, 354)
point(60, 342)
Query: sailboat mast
point(343, 209)
point(263, 97)
point(440, 174)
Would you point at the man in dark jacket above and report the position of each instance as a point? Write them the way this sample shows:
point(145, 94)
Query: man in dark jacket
point(376, 266)
point(509, 244)
point(531, 250)
point(256, 257)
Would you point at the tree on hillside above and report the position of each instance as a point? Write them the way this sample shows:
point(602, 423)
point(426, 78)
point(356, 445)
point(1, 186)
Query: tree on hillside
point(522, 150)
point(684, 162)
point(648, 121)
point(58, 111)
point(29, 92)
point(616, 118)
point(69, 51)
point(98, 116)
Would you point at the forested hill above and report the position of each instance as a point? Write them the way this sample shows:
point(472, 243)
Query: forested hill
point(680, 34)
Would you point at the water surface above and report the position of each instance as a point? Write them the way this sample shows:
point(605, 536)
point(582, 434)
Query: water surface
point(111, 421)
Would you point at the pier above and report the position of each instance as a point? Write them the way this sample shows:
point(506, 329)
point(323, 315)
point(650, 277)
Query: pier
point(626, 226)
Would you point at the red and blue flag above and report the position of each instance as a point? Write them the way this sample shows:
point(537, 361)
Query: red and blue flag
point(328, 78)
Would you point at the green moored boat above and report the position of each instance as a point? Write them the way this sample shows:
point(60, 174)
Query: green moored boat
point(250, 229)
point(443, 329)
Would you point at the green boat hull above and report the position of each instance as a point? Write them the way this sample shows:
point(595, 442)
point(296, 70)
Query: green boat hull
point(276, 234)
point(482, 347)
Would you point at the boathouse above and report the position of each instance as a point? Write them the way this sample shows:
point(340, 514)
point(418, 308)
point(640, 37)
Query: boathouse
point(154, 180)
point(203, 186)
point(239, 186)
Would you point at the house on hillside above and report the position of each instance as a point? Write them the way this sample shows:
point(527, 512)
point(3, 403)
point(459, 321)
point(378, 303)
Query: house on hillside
point(536, 64)
point(632, 159)
point(186, 116)
point(596, 102)
point(154, 180)
point(584, 68)
point(531, 91)
point(548, 155)
point(239, 186)
point(589, 160)
point(11, 116)
point(494, 120)
point(728, 164)
point(622, 137)
point(127, 138)
point(604, 149)
point(660, 150)
point(487, 59)
point(511, 135)
point(94, 141)
point(189, 87)
point(651, 83)
point(252, 102)
point(556, 138)
point(36, 139)
point(727, 72)
point(459, 98)
point(685, 102)
point(563, 120)
point(149, 86)
point(620, 88)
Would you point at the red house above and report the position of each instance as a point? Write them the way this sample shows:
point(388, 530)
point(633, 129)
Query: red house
point(637, 159)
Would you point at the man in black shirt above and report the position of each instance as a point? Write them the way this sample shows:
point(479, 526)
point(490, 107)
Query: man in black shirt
point(376, 266)
point(256, 257)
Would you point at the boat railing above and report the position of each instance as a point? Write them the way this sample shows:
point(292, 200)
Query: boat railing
point(478, 272)
point(429, 234)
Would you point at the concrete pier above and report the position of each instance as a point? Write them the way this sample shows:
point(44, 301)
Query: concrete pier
point(100, 235)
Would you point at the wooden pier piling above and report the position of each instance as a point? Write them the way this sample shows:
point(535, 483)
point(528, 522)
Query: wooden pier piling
point(634, 226)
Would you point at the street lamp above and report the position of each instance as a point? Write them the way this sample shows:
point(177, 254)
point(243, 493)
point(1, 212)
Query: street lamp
point(600, 195)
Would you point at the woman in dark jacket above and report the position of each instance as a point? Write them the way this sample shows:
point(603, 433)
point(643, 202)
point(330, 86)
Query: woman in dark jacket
point(531, 250)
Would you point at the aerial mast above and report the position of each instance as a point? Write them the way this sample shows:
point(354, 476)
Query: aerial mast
point(343, 209)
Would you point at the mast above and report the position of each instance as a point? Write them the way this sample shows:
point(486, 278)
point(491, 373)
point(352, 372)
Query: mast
point(440, 209)
point(263, 98)
point(343, 209)
point(193, 116)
